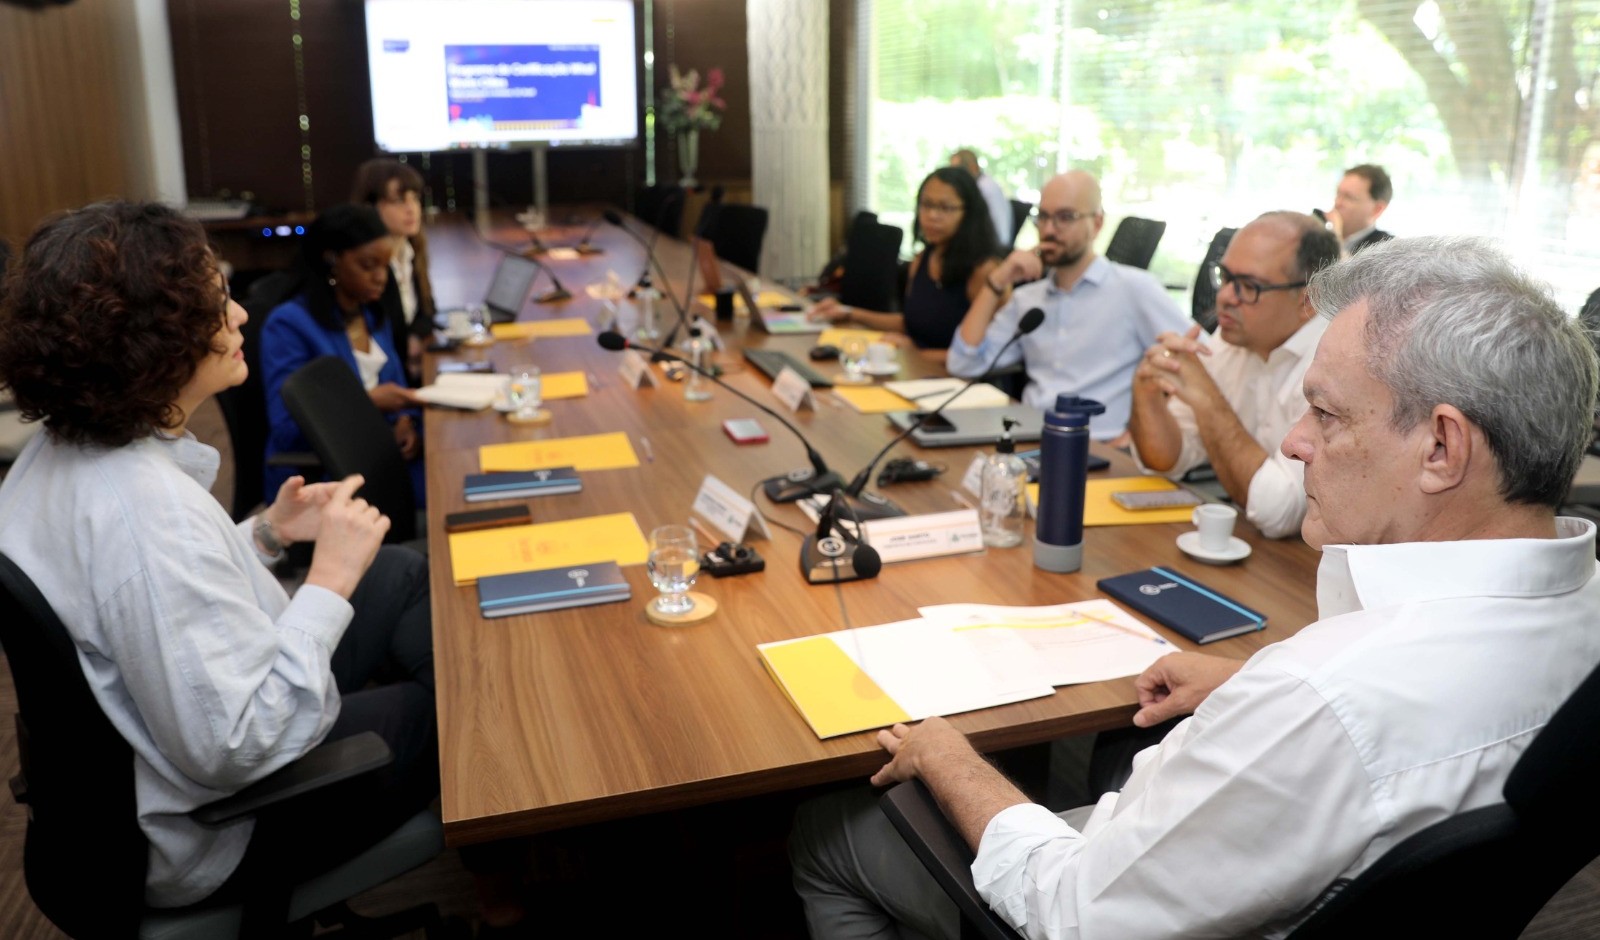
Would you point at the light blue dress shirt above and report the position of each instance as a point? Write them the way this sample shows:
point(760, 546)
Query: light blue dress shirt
point(1092, 339)
point(212, 674)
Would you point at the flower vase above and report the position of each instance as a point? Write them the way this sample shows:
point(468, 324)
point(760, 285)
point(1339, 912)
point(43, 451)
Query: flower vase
point(688, 158)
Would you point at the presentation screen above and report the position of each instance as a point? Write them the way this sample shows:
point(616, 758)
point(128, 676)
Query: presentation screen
point(495, 73)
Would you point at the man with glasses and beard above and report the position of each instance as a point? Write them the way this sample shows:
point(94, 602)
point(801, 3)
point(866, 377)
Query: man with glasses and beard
point(1099, 316)
point(1231, 402)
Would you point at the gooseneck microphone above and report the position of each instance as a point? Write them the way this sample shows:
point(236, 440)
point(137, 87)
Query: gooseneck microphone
point(615, 218)
point(557, 292)
point(584, 247)
point(1028, 322)
point(828, 480)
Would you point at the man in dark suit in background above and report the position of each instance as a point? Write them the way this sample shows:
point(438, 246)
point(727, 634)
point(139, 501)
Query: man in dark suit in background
point(1362, 196)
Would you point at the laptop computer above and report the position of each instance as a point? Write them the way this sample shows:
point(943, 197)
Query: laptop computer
point(969, 427)
point(508, 289)
point(777, 322)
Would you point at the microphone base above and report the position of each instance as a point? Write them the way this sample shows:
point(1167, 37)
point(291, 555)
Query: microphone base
point(872, 506)
point(554, 296)
point(798, 484)
point(584, 248)
point(829, 560)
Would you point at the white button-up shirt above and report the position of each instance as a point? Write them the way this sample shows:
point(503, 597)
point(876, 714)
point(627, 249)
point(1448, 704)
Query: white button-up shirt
point(1431, 669)
point(401, 267)
point(1268, 398)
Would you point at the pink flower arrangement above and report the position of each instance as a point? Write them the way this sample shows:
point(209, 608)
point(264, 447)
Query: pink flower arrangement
point(689, 107)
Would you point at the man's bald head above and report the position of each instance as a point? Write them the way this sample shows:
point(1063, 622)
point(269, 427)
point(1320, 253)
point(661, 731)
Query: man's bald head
point(1076, 188)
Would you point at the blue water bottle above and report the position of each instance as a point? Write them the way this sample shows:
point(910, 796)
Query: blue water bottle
point(1063, 471)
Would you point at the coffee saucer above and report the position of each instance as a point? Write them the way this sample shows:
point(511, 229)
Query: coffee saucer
point(1238, 549)
point(889, 369)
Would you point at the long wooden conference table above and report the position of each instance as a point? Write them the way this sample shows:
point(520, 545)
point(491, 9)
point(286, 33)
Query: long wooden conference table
point(565, 718)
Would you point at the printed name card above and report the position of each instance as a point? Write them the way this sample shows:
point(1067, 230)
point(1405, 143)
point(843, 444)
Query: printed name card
point(904, 538)
point(635, 370)
point(721, 507)
point(793, 390)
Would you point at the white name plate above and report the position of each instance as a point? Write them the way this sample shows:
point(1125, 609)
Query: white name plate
point(793, 390)
point(722, 508)
point(904, 538)
point(635, 370)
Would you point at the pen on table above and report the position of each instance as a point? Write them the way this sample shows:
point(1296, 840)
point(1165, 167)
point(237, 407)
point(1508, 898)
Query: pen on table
point(644, 445)
point(956, 495)
point(594, 381)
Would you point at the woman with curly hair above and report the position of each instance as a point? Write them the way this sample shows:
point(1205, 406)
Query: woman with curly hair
point(334, 310)
point(395, 190)
point(115, 326)
point(959, 250)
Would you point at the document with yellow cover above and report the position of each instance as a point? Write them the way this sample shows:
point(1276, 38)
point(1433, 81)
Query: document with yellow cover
point(547, 329)
point(614, 537)
point(872, 677)
point(610, 451)
point(1099, 509)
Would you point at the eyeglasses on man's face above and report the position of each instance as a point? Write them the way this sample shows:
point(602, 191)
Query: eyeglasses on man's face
point(1248, 288)
point(940, 208)
point(1061, 218)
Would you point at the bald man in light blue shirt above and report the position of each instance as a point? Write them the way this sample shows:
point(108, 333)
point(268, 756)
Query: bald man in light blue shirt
point(1100, 316)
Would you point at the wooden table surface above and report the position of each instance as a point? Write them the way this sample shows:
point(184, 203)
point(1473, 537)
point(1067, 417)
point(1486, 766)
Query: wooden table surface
point(570, 717)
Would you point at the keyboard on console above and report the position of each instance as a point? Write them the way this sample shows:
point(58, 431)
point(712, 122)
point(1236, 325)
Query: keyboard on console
point(772, 361)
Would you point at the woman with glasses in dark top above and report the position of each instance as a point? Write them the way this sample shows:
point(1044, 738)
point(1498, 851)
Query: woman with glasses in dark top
point(959, 250)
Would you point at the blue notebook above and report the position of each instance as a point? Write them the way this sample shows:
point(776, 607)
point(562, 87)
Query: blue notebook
point(1183, 604)
point(526, 592)
point(482, 487)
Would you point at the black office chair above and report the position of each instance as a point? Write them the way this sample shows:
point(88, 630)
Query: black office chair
point(662, 207)
point(244, 407)
point(1134, 242)
point(1203, 306)
point(1019, 215)
point(349, 435)
point(871, 259)
point(737, 234)
point(1518, 853)
point(85, 857)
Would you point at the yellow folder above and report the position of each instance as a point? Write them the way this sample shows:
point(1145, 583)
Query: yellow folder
point(832, 693)
point(765, 300)
point(836, 336)
point(616, 537)
point(611, 451)
point(524, 329)
point(1098, 509)
point(563, 385)
point(872, 399)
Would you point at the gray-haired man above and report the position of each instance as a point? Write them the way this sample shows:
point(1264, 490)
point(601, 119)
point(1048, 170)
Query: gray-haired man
point(1449, 406)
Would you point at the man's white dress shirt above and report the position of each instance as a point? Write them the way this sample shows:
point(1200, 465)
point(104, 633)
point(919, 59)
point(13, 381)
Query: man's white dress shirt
point(999, 207)
point(1268, 398)
point(1431, 669)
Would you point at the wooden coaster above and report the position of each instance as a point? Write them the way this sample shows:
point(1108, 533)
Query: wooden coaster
point(542, 416)
point(705, 606)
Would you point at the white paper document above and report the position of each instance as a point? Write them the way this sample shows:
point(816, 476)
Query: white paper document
point(928, 394)
point(1065, 644)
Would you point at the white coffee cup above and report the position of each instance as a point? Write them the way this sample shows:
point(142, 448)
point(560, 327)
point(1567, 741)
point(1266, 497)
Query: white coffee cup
point(880, 356)
point(1215, 522)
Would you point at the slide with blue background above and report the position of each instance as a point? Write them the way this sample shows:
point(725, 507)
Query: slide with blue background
point(510, 86)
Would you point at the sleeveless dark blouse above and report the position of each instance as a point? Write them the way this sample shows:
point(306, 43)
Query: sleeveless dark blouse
point(933, 313)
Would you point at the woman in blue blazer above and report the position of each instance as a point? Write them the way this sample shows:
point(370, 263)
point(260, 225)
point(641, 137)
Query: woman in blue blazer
point(335, 311)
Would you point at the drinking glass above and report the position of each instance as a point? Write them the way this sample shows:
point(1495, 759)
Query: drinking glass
point(478, 325)
point(674, 562)
point(853, 356)
point(524, 391)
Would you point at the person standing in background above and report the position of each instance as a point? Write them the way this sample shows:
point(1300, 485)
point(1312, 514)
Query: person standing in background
point(993, 195)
